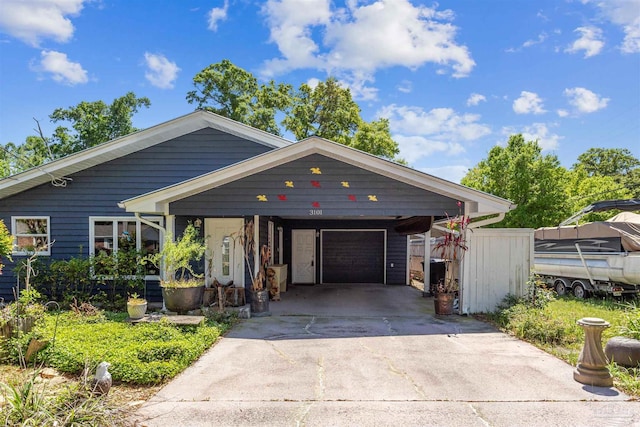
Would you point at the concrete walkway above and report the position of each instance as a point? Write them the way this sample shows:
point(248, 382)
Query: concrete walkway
point(372, 355)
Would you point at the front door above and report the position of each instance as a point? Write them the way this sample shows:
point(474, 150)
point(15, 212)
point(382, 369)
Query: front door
point(303, 256)
point(224, 257)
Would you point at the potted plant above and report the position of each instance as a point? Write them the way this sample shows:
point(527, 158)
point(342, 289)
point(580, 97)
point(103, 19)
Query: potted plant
point(259, 294)
point(182, 287)
point(136, 306)
point(451, 249)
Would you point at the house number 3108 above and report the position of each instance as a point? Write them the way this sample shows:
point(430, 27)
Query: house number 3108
point(315, 212)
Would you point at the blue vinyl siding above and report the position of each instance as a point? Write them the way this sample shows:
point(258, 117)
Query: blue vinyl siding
point(325, 190)
point(96, 191)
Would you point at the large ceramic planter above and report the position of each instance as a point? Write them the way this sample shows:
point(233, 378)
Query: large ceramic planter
point(443, 303)
point(260, 303)
point(182, 300)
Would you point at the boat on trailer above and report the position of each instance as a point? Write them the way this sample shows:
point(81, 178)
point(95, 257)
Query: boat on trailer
point(601, 257)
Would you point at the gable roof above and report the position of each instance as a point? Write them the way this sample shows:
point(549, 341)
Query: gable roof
point(131, 143)
point(158, 201)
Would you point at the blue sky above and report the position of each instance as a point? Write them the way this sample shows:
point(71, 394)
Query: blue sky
point(454, 78)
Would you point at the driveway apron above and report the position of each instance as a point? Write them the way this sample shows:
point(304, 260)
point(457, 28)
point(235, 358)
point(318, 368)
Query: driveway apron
point(374, 355)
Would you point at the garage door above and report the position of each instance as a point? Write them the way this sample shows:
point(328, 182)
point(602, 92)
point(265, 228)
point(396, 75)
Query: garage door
point(353, 256)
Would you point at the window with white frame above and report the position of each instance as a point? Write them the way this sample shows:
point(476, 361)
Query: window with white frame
point(31, 234)
point(108, 235)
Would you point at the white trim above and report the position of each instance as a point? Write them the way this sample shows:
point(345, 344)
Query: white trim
point(15, 235)
point(480, 203)
point(256, 239)
point(132, 143)
point(115, 219)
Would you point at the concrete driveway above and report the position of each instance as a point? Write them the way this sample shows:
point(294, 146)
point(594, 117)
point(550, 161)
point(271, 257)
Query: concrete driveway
point(373, 355)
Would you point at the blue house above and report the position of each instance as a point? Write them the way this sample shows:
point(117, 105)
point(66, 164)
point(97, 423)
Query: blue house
point(331, 213)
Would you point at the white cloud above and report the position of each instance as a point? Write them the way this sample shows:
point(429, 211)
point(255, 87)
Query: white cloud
point(216, 15)
point(590, 41)
point(421, 133)
point(453, 173)
point(475, 99)
point(162, 72)
point(362, 38)
point(528, 103)
point(625, 14)
point(584, 100)
point(62, 70)
point(562, 113)
point(34, 20)
point(547, 140)
point(405, 86)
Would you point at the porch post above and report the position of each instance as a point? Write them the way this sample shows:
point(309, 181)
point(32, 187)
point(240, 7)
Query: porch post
point(426, 270)
point(256, 239)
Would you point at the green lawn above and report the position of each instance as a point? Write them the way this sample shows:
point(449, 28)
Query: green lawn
point(553, 328)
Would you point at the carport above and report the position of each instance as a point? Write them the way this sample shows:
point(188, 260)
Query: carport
point(332, 214)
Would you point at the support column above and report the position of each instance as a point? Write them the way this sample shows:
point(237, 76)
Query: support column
point(592, 363)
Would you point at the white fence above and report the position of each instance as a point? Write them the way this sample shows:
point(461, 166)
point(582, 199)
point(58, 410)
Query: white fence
point(498, 262)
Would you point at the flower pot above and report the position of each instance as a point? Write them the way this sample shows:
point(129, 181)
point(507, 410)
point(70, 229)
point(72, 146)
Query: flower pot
point(443, 303)
point(182, 300)
point(260, 303)
point(136, 310)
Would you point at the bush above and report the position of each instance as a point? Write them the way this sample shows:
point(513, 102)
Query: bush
point(104, 280)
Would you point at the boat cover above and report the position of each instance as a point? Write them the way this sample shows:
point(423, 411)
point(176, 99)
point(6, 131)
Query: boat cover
point(617, 234)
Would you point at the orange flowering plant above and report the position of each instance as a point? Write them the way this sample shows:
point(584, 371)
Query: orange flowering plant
point(452, 249)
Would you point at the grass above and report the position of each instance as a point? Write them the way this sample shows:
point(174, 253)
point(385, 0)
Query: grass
point(142, 358)
point(553, 328)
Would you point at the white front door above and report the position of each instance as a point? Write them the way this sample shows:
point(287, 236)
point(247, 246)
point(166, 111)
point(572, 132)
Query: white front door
point(224, 258)
point(303, 255)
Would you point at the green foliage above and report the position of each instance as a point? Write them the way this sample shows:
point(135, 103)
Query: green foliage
point(233, 92)
point(146, 353)
point(554, 329)
point(106, 279)
point(30, 403)
point(326, 110)
point(176, 256)
point(520, 173)
point(583, 189)
point(6, 243)
point(537, 294)
point(94, 123)
point(631, 325)
point(607, 161)
point(65, 280)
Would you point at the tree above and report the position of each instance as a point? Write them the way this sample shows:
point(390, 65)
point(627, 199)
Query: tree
point(618, 163)
point(233, 92)
point(94, 123)
point(326, 110)
point(583, 189)
point(329, 111)
point(607, 161)
point(519, 172)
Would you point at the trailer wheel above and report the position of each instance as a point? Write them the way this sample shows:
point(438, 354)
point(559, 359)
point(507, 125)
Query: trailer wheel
point(561, 287)
point(579, 291)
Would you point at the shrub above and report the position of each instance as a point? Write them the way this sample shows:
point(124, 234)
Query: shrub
point(146, 353)
point(631, 326)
